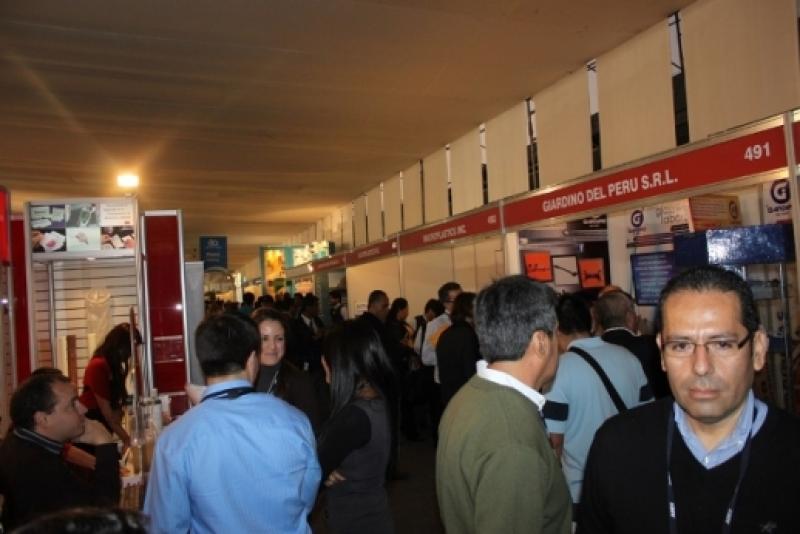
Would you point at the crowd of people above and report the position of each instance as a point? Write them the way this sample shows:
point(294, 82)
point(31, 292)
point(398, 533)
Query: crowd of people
point(550, 413)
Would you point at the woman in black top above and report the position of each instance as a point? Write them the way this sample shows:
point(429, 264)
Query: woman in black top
point(354, 445)
point(277, 375)
point(457, 350)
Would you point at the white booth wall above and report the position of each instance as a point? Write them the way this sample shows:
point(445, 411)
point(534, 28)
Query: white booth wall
point(417, 276)
point(362, 279)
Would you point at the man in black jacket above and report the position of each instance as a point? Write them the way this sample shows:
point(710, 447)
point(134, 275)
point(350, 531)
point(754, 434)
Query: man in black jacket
point(34, 478)
point(616, 323)
point(716, 459)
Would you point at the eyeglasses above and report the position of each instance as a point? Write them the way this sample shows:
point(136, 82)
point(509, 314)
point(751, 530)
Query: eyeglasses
point(716, 347)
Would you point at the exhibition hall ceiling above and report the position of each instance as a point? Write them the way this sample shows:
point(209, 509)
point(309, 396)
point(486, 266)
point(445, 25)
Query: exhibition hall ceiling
point(258, 117)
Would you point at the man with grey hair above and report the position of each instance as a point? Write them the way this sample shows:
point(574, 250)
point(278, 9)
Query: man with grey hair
point(616, 322)
point(495, 469)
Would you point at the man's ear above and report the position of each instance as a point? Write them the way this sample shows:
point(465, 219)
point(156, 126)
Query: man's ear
point(251, 367)
point(544, 343)
point(760, 346)
point(39, 419)
point(661, 350)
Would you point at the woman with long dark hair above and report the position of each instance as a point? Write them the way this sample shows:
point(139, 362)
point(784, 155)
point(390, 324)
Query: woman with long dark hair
point(458, 349)
point(355, 442)
point(399, 329)
point(104, 390)
point(276, 374)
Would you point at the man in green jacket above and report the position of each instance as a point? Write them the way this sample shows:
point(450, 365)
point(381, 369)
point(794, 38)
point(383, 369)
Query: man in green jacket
point(495, 469)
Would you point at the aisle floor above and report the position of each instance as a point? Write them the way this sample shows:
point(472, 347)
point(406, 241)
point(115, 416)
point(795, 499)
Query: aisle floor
point(413, 499)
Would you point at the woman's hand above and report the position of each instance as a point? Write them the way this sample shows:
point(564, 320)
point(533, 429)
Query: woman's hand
point(334, 478)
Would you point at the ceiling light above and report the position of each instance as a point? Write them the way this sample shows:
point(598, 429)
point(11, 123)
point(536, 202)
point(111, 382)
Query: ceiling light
point(128, 180)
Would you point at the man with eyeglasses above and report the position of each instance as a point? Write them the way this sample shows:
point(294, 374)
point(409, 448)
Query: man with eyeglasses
point(716, 459)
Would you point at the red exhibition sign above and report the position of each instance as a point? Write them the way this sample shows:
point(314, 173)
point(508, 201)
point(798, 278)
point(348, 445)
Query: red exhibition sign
point(371, 252)
point(332, 262)
point(481, 222)
point(5, 226)
point(751, 154)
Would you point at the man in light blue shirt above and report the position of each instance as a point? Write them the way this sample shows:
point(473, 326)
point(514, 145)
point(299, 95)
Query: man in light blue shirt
point(578, 403)
point(241, 461)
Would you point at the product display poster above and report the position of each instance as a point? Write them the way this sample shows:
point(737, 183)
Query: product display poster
point(592, 272)
point(655, 225)
point(537, 266)
point(565, 271)
point(651, 272)
point(91, 227)
point(116, 213)
point(715, 211)
point(777, 201)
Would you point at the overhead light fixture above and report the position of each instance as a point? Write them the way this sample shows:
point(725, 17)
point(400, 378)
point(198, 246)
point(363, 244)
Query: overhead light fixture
point(128, 181)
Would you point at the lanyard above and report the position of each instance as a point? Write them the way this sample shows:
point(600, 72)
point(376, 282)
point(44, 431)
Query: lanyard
point(231, 393)
point(274, 380)
point(745, 460)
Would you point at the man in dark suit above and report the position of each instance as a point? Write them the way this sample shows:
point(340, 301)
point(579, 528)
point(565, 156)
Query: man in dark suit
point(308, 331)
point(615, 322)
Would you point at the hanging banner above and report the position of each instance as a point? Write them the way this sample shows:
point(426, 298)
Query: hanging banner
point(371, 252)
point(748, 155)
point(334, 262)
point(214, 252)
point(481, 222)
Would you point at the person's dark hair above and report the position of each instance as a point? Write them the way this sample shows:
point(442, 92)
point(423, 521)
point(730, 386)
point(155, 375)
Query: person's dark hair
point(712, 278)
point(269, 314)
point(309, 301)
point(47, 371)
point(335, 294)
point(224, 343)
point(398, 305)
point(356, 357)
point(573, 315)
point(435, 306)
point(249, 298)
point(445, 290)
point(508, 312)
point(265, 301)
point(463, 307)
point(35, 394)
point(116, 350)
point(88, 521)
point(613, 309)
point(376, 296)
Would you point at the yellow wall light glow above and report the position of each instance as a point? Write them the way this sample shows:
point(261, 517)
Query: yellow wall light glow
point(128, 180)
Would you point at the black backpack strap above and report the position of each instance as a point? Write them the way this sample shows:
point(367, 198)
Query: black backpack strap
point(612, 392)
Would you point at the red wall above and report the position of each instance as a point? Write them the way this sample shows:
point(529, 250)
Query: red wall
point(164, 266)
point(18, 251)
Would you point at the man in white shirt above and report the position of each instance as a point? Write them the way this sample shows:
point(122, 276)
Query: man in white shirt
point(447, 296)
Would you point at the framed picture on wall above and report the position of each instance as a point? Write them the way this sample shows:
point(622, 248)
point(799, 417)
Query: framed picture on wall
point(538, 266)
point(592, 272)
point(565, 271)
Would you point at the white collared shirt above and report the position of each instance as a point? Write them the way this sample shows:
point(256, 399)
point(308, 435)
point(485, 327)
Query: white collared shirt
point(505, 379)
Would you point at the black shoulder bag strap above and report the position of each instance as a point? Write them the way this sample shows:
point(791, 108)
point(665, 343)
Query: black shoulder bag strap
point(612, 392)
